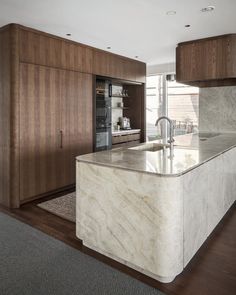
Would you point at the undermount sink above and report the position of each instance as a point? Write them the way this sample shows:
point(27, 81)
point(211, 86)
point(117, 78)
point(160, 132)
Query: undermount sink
point(150, 147)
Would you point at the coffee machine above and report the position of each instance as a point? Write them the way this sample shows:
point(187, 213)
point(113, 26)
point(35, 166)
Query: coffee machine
point(124, 123)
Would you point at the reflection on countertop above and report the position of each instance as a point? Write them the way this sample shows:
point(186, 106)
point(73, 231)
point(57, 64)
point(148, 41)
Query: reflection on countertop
point(190, 151)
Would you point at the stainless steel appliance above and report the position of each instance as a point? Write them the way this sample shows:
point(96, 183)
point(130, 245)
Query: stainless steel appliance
point(124, 123)
point(103, 136)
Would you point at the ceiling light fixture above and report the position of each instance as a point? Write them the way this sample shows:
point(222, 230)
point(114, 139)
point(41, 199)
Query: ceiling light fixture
point(208, 9)
point(171, 12)
point(187, 26)
point(68, 34)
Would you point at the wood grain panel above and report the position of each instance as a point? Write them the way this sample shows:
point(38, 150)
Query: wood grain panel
point(210, 59)
point(140, 72)
point(41, 49)
point(136, 107)
point(9, 159)
point(115, 66)
point(56, 126)
point(5, 117)
point(44, 49)
point(77, 120)
point(40, 130)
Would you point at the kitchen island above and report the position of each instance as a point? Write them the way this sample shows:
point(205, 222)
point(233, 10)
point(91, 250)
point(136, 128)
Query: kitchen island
point(152, 211)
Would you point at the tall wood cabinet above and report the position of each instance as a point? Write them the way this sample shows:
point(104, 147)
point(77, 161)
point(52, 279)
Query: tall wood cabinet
point(53, 127)
point(46, 108)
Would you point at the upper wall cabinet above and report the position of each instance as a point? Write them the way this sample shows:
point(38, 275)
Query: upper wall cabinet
point(115, 66)
point(50, 51)
point(43, 49)
point(207, 62)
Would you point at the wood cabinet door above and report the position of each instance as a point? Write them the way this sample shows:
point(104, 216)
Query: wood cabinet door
point(205, 60)
point(77, 120)
point(39, 130)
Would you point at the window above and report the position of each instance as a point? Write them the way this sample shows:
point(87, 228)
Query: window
point(180, 104)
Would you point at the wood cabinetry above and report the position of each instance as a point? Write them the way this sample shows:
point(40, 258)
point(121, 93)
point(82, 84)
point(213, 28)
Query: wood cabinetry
point(46, 114)
point(54, 128)
point(115, 66)
point(125, 139)
point(207, 62)
point(43, 49)
point(76, 120)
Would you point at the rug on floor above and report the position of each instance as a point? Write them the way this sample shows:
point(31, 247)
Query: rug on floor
point(62, 206)
point(32, 262)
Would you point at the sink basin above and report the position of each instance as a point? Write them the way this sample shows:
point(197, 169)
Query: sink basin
point(150, 147)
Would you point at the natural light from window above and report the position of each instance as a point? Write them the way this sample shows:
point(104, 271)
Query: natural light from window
point(181, 106)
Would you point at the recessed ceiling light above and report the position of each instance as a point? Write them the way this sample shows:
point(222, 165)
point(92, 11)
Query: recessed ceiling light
point(108, 47)
point(68, 34)
point(171, 12)
point(208, 9)
point(187, 26)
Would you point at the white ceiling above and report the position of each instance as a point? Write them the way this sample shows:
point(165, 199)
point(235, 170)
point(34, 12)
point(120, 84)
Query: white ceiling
point(130, 27)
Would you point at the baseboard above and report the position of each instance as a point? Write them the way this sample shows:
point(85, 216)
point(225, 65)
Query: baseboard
point(48, 194)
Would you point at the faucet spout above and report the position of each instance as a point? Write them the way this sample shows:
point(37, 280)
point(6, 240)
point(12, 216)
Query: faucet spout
point(171, 139)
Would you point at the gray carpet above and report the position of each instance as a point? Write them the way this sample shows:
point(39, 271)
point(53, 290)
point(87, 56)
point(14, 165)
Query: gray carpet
point(33, 263)
point(63, 206)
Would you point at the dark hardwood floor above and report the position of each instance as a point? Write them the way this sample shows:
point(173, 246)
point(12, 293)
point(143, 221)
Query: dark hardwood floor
point(212, 271)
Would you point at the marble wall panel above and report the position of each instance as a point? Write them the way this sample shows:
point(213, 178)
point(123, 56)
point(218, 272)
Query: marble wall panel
point(217, 109)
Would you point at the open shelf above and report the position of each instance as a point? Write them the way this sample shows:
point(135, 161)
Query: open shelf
point(121, 96)
point(120, 108)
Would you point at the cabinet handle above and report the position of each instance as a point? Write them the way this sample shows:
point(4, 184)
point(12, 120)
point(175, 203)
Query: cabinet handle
point(61, 137)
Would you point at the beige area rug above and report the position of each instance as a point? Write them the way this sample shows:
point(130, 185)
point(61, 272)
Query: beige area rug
point(62, 206)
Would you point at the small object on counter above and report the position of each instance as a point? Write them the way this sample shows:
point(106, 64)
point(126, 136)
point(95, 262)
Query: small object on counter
point(124, 123)
point(120, 104)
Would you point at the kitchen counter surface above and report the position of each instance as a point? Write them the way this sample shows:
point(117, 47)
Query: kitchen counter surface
point(190, 151)
point(124, 132)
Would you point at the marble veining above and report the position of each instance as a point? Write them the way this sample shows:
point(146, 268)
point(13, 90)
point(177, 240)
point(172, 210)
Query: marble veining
point(135, 217)
point(217, 109)
point(150, 223)
point(190, 151)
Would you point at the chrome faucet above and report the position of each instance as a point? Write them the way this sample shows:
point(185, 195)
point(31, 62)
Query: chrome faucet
point(171, 140)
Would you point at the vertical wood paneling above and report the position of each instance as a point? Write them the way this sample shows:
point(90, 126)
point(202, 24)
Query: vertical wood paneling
point(46, 50)
point(51, 101)
point(77, 125)
point(40, 130)
point(136, 107)
point(45, 87)
point(207, 59)
point(9, 160)
point(5, 117)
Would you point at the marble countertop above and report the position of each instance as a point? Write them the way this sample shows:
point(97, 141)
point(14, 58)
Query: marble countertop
point(190, 151)
point(121, 132)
